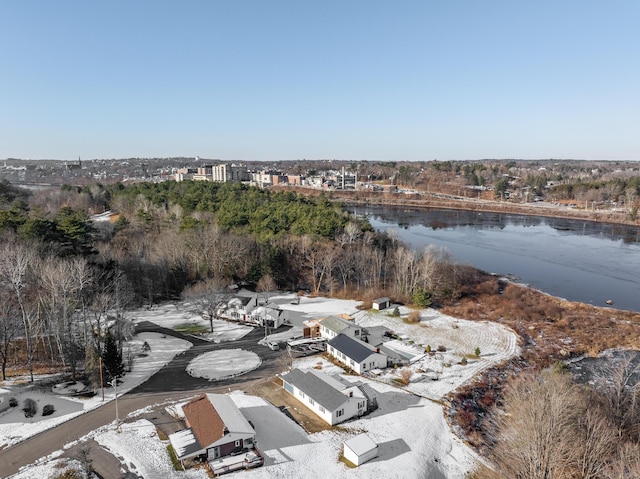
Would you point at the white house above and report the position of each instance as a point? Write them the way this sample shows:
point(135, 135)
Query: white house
point(216, 428)
point(239, 308)
point(331, 326)
point(356, 354)
point(360, 449)
point(329, 398)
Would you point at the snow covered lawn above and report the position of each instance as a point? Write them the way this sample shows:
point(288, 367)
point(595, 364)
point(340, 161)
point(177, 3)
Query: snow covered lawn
point(14, 427)
point(223, 364)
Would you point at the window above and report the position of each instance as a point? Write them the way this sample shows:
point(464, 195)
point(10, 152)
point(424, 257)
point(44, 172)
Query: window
point(312, 402)
point(340, 413)
point(238, 443)
point(321, 409)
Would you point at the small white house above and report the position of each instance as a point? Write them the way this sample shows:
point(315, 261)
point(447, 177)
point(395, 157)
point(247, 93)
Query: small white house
point(331, 326)
point(381, 303)
point(332, 400)
point(360, 449)
point(356, 354)
point(239, 308)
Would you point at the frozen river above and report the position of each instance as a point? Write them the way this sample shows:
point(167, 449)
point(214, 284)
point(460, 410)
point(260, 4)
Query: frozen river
point(572, 259)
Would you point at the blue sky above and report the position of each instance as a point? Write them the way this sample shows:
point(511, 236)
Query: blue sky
point(344, 79)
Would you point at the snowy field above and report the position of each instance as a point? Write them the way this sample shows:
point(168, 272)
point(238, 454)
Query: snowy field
point(411, 431)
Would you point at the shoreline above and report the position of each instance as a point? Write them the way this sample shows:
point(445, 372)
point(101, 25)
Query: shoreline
point(426, 200)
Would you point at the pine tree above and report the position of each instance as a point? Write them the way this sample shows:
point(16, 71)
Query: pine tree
point(112, 358)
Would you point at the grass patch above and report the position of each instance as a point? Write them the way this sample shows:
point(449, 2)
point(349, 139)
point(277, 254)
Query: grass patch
point(177, 465)
point(161, 435)
point(190, 328)
point(346, 462)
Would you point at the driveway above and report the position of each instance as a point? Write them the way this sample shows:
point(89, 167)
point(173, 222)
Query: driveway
point(170, 383)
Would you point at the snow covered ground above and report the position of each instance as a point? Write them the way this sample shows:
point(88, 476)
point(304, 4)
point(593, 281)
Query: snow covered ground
point(223, 364)
point(411, 431)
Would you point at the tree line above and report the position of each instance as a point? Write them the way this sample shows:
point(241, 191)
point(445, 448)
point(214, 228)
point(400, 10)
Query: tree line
point(67, 281)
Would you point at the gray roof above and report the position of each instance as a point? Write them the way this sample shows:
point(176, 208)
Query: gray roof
point(361, 444)
point(381, 300)
point(337, 324)
point(352, 348)
point(230, 414)
point(318, 386)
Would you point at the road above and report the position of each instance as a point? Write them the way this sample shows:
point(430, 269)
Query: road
point(170, 383)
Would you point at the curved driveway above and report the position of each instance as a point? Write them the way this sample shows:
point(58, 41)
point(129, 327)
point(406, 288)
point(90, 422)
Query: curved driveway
point(171, 382)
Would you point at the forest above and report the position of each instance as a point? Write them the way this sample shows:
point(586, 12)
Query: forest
point(66, 280)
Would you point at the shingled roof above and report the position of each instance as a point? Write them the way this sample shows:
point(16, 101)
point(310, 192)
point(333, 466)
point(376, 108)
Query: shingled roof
point(204, 420)
point(322, 388)
point(351, 347)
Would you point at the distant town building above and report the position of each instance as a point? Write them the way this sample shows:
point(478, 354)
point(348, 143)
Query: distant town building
point(222, 173)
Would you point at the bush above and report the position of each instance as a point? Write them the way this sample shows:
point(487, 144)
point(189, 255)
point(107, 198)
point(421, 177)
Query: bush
point(463, 361)
point(30, 408)
point(396, 312)
point(441, 348)
point(427, 349)
point(421, 298)
point(146, 347)
point(13, 402)
point(413, 317)
point(48, 410)
point(477, 352)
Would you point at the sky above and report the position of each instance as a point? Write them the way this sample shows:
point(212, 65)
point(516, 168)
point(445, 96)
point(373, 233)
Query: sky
point(332, 79)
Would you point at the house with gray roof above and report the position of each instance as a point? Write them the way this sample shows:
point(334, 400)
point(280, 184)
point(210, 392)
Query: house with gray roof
point(331, 326)
point(356, 354)
point(332, 400)
point(215, 429)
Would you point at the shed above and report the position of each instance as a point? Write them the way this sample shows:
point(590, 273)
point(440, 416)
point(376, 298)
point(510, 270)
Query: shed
point(381, 303)
point(360, 449)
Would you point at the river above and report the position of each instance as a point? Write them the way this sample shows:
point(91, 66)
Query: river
point(572, 259)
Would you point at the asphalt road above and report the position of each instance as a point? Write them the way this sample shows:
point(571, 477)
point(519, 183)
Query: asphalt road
point(171, 382)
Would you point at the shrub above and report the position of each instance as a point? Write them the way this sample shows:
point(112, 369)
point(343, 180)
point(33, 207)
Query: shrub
point(421, 298)
point(146, 347)
point(413, 317)
point(48, 410)
point(441, 348)
point(30, 408)
point(477, 352)
point(13, 402)
point(427, 349)
point(463, 361)
point(396, 312)
point(405, 375)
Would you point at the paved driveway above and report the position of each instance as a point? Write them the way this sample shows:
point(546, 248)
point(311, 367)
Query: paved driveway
point(171, 382)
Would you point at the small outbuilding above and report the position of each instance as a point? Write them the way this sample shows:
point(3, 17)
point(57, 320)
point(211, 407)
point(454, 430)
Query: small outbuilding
point(381, 303)
point(360, 449)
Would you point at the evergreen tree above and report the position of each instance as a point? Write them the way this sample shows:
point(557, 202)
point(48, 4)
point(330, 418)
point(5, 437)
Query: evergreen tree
point(112, 359)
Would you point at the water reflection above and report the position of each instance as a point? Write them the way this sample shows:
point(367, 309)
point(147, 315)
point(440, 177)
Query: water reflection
point(578, 260)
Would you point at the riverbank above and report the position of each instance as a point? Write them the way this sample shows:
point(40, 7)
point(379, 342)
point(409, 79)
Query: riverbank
point(439, 201)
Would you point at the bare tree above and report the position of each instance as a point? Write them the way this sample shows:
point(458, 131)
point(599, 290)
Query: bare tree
point(9, 325)
point(210, 298)
point(537, 427)
point(266, 286)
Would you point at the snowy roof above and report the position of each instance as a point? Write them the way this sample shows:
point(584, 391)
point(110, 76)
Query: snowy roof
point(184, 443)
point(230, 414)
point(211, 417)
point(322, 388)
point(352, 348)
point(381, 300)
point(361, 444)
point(334, 323)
